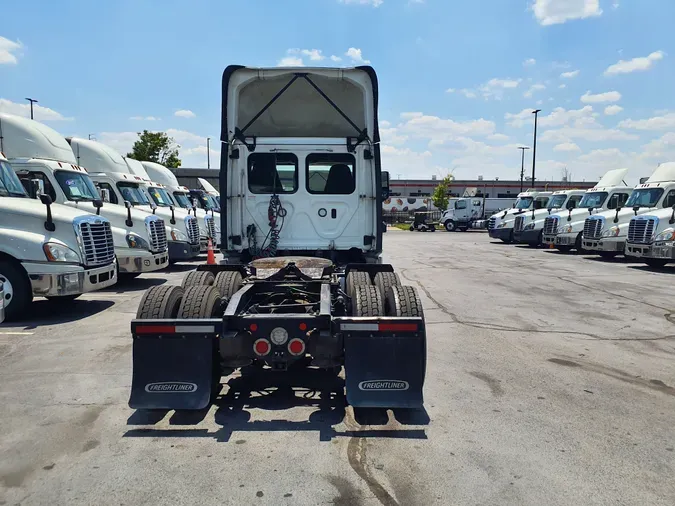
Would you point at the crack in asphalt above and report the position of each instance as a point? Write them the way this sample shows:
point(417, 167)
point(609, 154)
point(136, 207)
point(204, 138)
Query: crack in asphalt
point(619, 295)
point(504, 328)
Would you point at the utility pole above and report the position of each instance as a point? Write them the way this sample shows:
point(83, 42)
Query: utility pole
point(534, 146)
point(522, 166)
point(208, 153)
point(31, 100)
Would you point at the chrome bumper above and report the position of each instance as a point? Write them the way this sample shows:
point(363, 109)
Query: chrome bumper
point(146, 262)
point(565, 239)
point(548, 239)
point(638, 250)
point(73, 283)
point(661, 250)
point(612, 245)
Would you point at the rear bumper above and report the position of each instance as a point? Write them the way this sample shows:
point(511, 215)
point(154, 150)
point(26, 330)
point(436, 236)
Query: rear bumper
point(529, 236)
point(604, 244)
point(179, 250)
point(142, 261)
point(74, 282)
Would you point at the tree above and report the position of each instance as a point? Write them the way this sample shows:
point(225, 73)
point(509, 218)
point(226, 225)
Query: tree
point(440, 195)
point(155, 147)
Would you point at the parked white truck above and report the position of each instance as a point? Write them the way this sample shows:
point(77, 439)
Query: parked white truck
point(209, 221)
point(109, 170)
point(528, 228)
point(564, 230)
point(46, 249)
point(500, 225)
point(36, 151)
point(642, 228)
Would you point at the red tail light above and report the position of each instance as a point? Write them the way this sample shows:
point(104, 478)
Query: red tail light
point(262, 347)
point(296, 347)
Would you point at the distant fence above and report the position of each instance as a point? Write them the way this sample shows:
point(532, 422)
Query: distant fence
point(391, 217)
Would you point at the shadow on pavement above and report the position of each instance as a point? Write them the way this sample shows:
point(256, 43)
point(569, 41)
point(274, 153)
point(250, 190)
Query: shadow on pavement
point(52, 312)
point(267, 390)
point(124, 285)
point(660, 270)
point(183, 267)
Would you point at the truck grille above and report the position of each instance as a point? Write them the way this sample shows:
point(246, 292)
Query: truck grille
point(550, 226)
point(157, 233)
point(491, 223)
point(192, 226)
point(210, 226)
point(640, 229)
point(97, 242)
point(593, 228)
point(519, 224)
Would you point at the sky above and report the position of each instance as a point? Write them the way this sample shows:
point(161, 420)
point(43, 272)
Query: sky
point(458, 80)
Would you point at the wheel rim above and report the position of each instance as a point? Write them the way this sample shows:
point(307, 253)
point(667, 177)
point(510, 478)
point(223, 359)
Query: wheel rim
point(7, 287)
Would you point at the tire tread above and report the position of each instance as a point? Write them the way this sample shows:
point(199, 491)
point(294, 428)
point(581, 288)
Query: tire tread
point(160, 302)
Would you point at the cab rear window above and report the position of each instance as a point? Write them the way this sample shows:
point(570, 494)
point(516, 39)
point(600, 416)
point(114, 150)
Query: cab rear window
point(272, 173)
point(330, 173)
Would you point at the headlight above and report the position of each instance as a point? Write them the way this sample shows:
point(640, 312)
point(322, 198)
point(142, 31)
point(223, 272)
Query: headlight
point(60, 253)
point(565, 229)
point(501, 225)
point(667, 235)
point(529, 226)
point(177, 235)
point(611, 232)
point(137, 242)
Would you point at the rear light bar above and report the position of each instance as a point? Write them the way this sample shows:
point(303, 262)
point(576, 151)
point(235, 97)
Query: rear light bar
point(380, 327)
point(175, 329)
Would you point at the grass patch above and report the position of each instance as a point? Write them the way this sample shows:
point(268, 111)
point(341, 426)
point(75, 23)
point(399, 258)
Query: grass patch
point(402, 226)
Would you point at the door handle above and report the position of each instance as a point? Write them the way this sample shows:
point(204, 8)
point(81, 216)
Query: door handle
point(333, 213)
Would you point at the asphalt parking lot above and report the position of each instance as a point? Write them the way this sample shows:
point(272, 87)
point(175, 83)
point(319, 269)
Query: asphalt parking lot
point(550, 380)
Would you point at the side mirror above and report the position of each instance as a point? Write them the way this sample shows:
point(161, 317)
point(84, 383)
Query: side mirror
point(636, 209)
point(569, 214)
point(590, 210)
point(47, 201)
point(98, 204)
point(105, 194)
point(153, 206)
point(616, 215)
point(128, 222)
point(173, 216)
point(37, 188)
point(385, 185)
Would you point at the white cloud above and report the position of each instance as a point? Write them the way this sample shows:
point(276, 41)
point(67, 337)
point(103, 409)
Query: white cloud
point(557, 117)
point(314, 54)
point(374, 3)
point(39, 113)
point(408, 163)
point(664, 122)
point(503, 83)
point(611, 110)
point(196, 157)
point(184, 113)
point(566, 147)
point(335, 58)
point(450, 90)
point(586, 133)
point(551, 12)
point(533, 89)
point(661, 149)
point(122, 142)
point(609, 96)
point(7, 50)
point(529, 62)
point(291, 61)
point(184, 137)
point(439, 131)
point(356, 55)
point(144, 118)
point(570, 75)
point(562, 86)
point(635, 65)
point(615, 4)
point(498, 137)
point(468, 93)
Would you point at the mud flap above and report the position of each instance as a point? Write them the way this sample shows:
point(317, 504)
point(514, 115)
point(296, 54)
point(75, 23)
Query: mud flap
point(174, 364)
point(385, 361)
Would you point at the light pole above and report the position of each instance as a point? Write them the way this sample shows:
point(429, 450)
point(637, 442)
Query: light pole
point(522, 165)
point(534, 145)
point(31, 100)
point(208, 153)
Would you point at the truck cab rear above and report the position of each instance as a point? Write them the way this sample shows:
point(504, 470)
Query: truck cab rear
point(302, 282)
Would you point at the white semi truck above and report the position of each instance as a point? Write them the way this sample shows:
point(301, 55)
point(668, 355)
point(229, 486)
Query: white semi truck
point(563, 231)
point(209, 221)
point(634, 228)
point(109, 170)
point(500, 225)
point(528, 228)
point(36, 151)
point(46, 249)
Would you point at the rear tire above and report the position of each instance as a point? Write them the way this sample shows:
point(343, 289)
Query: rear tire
point(577, 244)
point(18, 290)
point(383, 280)
point(354, 279)
point(228, 283)
point(367, 301)
point(402, 301)
point(450, 226)
point(198, 278)
point(200, 302)
point(412, 228)
point(160, 302)
point(655, 263)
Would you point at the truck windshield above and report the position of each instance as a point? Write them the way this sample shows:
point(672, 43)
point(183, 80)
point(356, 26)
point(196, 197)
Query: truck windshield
point(556, 202)
point(594, 199)
point(133, 193)
point(524, 202)
point(645, 197)
point(76, 186)
point(160, 196)
point(10, 186)
point(211, 202)
point(182, 199)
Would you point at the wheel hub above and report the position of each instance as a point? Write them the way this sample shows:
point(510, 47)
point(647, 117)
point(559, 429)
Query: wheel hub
point(8, 290)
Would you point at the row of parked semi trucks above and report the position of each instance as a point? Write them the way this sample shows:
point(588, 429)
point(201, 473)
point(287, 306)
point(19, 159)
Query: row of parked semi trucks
point(609, 219)
point(75, 216)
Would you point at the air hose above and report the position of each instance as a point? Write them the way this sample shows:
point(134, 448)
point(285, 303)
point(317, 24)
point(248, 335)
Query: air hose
point(271, 242)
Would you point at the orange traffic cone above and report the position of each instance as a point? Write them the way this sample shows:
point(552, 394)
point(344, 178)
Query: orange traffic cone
point(210, 256)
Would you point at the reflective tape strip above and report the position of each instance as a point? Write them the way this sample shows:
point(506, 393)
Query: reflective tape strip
point(155, 329)
point(193, 329)
point(398, 327)
point(177, 329)
point(359, 326)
